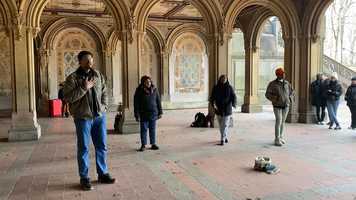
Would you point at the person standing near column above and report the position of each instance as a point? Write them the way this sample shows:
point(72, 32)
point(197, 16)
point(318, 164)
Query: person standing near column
point(350, 98)
point(333, 93)
point(318, 99)
point(223, 98)
point(85, 91)
point(280, 93)
point(148, 109)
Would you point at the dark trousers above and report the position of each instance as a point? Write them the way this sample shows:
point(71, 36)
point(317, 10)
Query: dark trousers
point(145, 126)
point(320, 113)
point(353, 116)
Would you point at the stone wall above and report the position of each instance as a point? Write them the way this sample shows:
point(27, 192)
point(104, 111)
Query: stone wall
point(5, 72)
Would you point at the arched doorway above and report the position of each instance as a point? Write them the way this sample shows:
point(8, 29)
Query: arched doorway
point(189, 69)
point(67, 29)
point(271, 55)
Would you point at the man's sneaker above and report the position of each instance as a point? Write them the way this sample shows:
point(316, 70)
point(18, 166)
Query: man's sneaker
point(142, 148)
point(277, 143)
point(226, 140)
point(337, 128)
point(154, 147)
point(330, 127)
point(85, 184)
point(322, 123)
point(222, 143)
point(282, 141)
point(106, 178)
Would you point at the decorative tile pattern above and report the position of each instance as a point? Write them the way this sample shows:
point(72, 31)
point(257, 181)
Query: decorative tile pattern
point(190, 64)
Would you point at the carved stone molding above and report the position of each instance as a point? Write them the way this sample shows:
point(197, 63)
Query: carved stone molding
point(131, 27)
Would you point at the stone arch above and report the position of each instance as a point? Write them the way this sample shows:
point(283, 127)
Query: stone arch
point(157, 37)
point(285, 10)
point(8, 12)
point(311, 20)
point(119, 10)
point(186, 28)
point(51, 30)
point(209, 9)
point(50, 37)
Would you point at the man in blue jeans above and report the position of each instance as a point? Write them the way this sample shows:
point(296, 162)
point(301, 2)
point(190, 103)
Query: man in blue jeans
point(85, 91)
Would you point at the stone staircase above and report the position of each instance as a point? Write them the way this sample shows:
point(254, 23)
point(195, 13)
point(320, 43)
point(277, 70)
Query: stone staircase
point(345, 73)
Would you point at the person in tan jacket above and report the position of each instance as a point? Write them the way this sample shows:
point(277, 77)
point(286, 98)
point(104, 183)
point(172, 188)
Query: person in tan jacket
point(280, 93)
point(85, 91)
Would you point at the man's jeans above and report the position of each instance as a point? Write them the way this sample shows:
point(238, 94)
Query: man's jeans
point(145, 126)
point(281, 116)
point(332, 111)
point(96, 130)
point(224, 122)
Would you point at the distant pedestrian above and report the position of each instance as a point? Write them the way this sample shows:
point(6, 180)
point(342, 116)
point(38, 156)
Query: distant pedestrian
point(333, 93)
point(318, 99)
point(350, 98)
point(222, 99)
point(65, 106)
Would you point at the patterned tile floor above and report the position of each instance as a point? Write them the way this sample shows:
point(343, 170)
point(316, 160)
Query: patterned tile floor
point(316, 163)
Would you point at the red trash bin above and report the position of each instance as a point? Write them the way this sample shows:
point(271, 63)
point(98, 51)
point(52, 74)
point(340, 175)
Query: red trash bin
point(55, 108)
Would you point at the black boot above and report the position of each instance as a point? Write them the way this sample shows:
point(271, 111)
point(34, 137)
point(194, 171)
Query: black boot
point(154, 147)
point(106, 178)
point(85, 184)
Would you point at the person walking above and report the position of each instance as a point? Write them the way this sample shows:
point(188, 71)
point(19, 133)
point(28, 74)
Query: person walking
point(85, 91)
point(333, 93)
point(350, 98)
point(280, 93)
point(147, 109)
point(318, 99)
point(222, 99)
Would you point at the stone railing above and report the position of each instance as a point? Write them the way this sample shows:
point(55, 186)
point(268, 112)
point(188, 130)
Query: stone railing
point(344, 73)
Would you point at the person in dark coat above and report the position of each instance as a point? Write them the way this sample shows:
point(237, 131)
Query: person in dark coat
point(148, 109)
point(318, 99)
point(350, 98)
point(333, 93)
point(223, 98)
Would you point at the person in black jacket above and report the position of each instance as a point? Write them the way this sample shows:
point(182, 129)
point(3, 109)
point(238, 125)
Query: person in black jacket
point(350, 98)
point(148, 109)
point(318, 99)
point(223, 98)
point(333, 93)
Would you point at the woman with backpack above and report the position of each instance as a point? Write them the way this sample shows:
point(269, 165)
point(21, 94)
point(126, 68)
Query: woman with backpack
point(223, 98)
point(350, 98)
point(333, 93)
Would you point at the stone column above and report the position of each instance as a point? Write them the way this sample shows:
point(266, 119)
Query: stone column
point(131, 79)
point(24, 124)
point(251, 102)
point(310, 63)
point(165, 75)
point(291, 66)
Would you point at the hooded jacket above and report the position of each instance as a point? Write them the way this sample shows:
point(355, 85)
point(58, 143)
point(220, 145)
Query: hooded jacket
point(147, 103)
point(224, 97)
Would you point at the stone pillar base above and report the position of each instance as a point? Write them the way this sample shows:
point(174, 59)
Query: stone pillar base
point(129, 127)
point(24, 127)
point(307, 118)
point(24, 134)
point(128, 124)
point(251, 108)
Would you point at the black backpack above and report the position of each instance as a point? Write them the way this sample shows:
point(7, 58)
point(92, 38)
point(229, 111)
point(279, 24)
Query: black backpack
point(199, 120)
